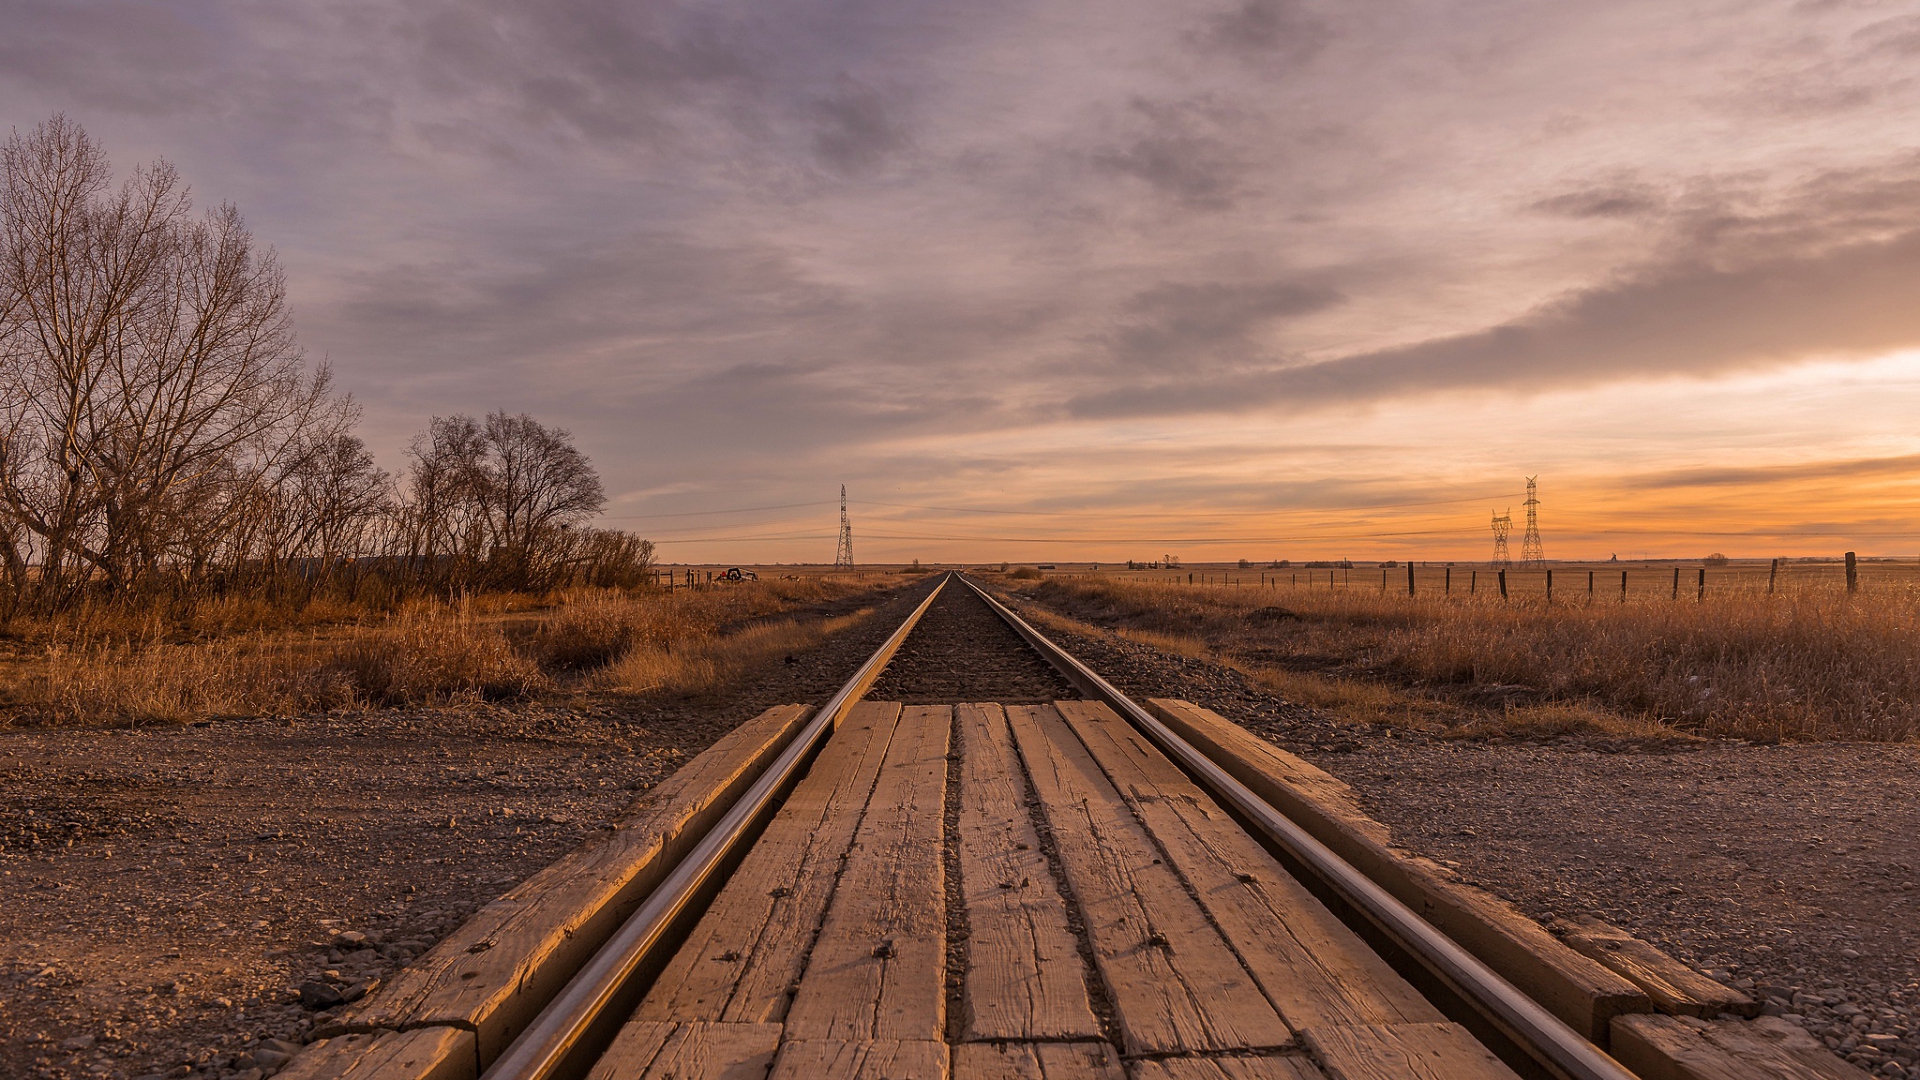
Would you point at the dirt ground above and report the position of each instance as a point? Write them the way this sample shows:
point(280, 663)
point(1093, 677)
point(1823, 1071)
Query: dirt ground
point(191, 901)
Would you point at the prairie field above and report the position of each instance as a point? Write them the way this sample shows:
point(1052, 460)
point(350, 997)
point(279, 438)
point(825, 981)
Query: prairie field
point(1806, 661)
point(230, 657)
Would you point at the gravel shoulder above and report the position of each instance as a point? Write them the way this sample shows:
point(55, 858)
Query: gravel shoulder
point(166, 893)
point(1789, 870)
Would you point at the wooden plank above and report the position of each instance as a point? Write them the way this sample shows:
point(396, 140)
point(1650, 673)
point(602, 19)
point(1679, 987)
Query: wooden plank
point(1675, 988)
point(878, 967)
point(1036, 1061)
point(436, 1053)
point(880, 1059)
point(1313, 968)
point(1688, 1048)
point(744, 958)
point(653, 1050)
point(496, 972)
point(1025, 978)
point(1403, 1052)
point(1289, 1067)
point(1582, 992)
point(1175, 984)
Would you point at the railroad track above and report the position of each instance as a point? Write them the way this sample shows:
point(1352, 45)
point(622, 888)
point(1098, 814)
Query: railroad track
point(1051, 882)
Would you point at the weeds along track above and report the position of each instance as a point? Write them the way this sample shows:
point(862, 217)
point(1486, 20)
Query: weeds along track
point(979, 859)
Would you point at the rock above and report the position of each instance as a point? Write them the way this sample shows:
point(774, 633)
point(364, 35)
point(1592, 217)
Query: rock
point(78, 1042)
point(318, 995)
point(270, 1060)
point(350, 937)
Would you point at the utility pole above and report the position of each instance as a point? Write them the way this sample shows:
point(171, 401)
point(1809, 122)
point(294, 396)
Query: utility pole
point(843, 553)
point(1531, 553)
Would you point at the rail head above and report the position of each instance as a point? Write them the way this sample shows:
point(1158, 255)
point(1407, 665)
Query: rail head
point(578, 1023)
point(1555, 1046)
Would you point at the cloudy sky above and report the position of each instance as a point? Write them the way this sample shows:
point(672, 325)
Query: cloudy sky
point(1062, 278)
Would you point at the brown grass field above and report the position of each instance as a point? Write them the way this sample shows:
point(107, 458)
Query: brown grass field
point(226, 659)
point(1809, 661)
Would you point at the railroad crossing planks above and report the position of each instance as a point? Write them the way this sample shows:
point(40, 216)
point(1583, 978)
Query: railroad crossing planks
point(1036, 1061)
point(658, 1050)
point(1175, 984)
point(1025, 978)
point(1402, 1052)
point(746, 955)
point(878, 968)
point(1314, 969)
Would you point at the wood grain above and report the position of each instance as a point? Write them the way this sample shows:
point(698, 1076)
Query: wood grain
point(653, 1050)
point(1290, 1067)
point(1675, 988)
point(436, 1053)
point(1403, 1052)
point(1174, 982)
point(883, 1059)
point(1676, 1048)
point(1036, 1061)
point(1025, 978)
point(878, 967)
point(1313, 968)
point(745, 956)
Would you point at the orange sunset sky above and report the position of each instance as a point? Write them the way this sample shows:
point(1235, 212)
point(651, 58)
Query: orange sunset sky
point(1074, 280)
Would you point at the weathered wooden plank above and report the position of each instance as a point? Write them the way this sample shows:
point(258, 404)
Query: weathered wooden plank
point(878, 967)
point(744, 958)
point(1688, 1048)
point(1581, 992)
point(1675, 988)
point(1403, 1052)
point(1313, 968)
point(436, 1053)
point(880, 1059)
point(1025, 978)
point(1175, 984)
point(1036, 1061)
point(496, 972)
point(657, 1050)
point(1288, 1067)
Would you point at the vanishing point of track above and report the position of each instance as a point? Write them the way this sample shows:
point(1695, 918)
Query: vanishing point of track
point(1124, 906)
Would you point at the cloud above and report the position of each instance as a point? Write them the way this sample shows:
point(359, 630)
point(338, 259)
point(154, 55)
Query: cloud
point(1183, 152)
point(856, 129)
point(1177, 324)
point(1260, 29)
point(1618, 200)
point(1850, 469)
point(1690, 317)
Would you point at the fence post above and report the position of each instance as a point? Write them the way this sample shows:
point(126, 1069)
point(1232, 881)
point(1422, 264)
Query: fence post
point(1447, 589)
point(1676, 583)
point(1383, 582)
point(1703, 584)
point(1409, 577)
point(1773, 571)
point(1549, 586)
point(1589, 586)
point(1623, 586)
point(1473, 581)
point(1503, 584)
point(1853, 574)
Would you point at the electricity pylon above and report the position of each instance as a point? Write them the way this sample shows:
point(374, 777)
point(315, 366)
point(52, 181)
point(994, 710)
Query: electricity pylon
point(843, 553)
point(1531, 553)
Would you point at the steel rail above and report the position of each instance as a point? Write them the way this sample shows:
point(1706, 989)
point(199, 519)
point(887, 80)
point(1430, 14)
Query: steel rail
point(573, 1026)
point(1543, 1036)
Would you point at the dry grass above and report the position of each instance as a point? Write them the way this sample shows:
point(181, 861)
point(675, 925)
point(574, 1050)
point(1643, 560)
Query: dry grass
point(427, 654)
point(1795, 666)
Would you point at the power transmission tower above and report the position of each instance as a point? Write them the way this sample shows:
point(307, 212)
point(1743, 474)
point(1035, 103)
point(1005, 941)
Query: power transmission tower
point(843, 554)
point(1502, 525)
point(1531, 553)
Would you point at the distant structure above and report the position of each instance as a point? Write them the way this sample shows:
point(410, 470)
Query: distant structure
point(1531, 553)
point(843, 553)
point(1502, 525)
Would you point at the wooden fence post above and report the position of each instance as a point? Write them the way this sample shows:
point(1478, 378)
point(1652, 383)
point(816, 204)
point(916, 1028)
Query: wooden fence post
point(1676, 583)
point(1589, 586)
point(1853, 574)
point(1703, 584)
point(1473, 581)
point(1623, 586)
point(1503, 584)
point(1549, 586)
point(1447, 590)
point(1409, 577)
point(1773, 571)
